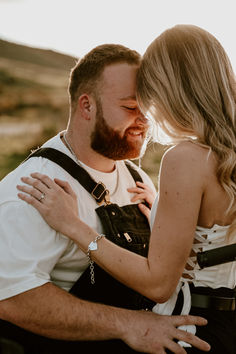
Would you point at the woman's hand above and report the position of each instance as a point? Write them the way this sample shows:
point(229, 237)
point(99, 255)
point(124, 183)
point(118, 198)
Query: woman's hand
point(143, 192)
point(54, 199)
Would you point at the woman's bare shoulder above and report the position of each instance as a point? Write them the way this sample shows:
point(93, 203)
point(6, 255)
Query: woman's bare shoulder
point(192, 160)
point(187, 152)
point(181, 177)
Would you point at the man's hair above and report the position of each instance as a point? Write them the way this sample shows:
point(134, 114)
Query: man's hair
point(87, 72)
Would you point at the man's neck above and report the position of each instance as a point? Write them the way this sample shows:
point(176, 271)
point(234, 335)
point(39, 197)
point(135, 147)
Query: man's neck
point(87, 155)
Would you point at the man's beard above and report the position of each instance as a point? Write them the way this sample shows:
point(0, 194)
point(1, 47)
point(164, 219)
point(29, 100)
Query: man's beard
point(108, 142)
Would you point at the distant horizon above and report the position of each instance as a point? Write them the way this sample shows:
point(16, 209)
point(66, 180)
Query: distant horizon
point(34, 47)
point(74, 27)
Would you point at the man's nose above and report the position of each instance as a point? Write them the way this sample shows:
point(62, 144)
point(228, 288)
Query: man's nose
point(141, 119)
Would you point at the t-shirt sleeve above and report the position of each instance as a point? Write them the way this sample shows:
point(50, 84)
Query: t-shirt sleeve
point(29, 249)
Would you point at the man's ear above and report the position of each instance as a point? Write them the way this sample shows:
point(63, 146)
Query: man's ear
point(85, 104)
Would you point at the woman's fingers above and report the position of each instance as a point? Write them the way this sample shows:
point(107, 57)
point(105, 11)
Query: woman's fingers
point(40, 187)
point(145, 210)
point(54, 200)
point(143, 186)
point(31, 200)
point(135, 190)
point(47, 181)
point(140, 196)
point(33, 192)
point(142, 191)
point(66, 186)
point(34, 184)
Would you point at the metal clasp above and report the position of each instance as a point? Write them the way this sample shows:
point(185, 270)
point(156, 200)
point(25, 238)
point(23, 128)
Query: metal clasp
point(101, 194)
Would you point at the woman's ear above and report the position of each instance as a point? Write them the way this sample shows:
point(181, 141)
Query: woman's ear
point(85, 106)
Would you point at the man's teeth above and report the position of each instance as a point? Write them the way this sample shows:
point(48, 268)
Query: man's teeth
point(135, 133)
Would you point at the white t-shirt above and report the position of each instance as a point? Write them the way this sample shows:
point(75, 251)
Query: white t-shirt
point(32, 253)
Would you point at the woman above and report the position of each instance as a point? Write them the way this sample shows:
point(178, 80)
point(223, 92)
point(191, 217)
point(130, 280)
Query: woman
point(187, 84)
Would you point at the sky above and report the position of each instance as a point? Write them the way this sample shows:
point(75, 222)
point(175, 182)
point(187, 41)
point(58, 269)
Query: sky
point(76, 26)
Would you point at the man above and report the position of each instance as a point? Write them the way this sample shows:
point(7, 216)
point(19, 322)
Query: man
point(38, 265)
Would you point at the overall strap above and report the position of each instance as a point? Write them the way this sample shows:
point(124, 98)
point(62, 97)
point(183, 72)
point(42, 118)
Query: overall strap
point(134, 173)
point(97, 190)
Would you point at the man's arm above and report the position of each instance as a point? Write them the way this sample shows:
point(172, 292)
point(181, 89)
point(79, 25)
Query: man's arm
point(52, 312)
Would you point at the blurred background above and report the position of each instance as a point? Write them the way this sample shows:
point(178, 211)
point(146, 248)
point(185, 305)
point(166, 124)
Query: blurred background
point(34, 103)
point(40, 41)
point(33, 100)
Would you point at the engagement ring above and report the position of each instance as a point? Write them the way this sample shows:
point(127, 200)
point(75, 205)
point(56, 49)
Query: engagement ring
point(42, 197)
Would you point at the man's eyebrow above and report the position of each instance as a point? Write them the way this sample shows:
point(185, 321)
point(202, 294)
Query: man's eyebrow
point(127, 98)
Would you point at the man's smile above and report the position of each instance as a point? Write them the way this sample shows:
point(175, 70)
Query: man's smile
point(136, 133)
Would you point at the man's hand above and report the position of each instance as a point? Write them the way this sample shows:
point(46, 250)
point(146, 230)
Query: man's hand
point(53, 313)
point(151, 333)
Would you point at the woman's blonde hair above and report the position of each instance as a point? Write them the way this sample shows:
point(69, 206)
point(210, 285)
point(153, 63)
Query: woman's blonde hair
point(187, 83)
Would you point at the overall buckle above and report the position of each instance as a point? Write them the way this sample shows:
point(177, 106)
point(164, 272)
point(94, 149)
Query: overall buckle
point(100, 193)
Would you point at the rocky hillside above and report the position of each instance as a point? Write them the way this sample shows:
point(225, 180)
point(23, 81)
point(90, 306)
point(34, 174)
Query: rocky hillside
point(33, 99)
point(42, 57)
point(31, 77)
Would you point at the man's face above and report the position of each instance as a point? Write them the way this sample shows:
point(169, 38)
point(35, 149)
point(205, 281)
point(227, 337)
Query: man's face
point(120, 128)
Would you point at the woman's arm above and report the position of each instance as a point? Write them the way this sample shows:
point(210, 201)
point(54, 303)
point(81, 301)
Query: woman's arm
point(180, 192)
